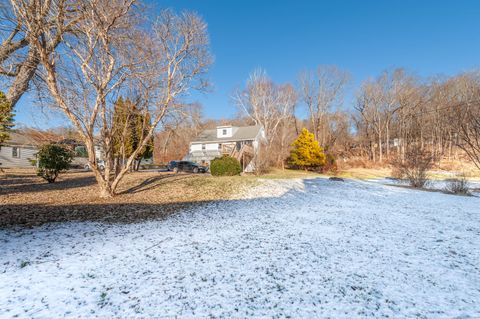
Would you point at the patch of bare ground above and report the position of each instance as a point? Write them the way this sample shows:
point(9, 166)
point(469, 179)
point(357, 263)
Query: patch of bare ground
point(27, 200)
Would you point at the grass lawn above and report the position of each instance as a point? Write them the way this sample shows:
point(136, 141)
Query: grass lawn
point(27, 199)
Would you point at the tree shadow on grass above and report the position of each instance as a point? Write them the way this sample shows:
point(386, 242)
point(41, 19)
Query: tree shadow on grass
point(30, 184)
point(33, 215)
point(153, 182)
point(18, 215)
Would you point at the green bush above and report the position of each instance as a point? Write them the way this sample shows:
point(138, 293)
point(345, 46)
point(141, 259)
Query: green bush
point(53, 159)
point(225, 166)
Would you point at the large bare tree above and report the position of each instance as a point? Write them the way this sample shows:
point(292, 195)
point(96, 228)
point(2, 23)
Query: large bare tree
point(19, 57)
point(114, 52)
point(322, 91)
point(464, 116)
point(270, 106)
point(266, 103)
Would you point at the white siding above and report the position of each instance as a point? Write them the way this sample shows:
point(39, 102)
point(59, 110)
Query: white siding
point(195, 147)
point(224, 131)
point(25, 155)
point(200, 147)
point(211, 147)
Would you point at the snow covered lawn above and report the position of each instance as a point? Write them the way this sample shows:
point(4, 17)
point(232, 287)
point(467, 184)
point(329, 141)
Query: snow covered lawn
point(291, 248)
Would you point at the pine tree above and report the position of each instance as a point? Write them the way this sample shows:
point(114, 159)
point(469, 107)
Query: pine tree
point(306, 152)
point(6, 117)
point(129, 128)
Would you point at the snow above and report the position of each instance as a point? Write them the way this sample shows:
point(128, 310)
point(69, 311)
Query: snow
point(439, 185)
point(290, 248)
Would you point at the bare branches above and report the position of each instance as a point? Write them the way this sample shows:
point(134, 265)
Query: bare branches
point(272, 107)
point(321, 91)
point(266, 103)
point(27, 24)
point(439, 116)
point(464, 116)
point(111, 54)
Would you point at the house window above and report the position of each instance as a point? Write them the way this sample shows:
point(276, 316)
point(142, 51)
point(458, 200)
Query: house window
point(15, 152)
point(224, 132)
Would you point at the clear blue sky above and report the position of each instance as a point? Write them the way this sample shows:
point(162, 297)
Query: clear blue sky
point(364, 37)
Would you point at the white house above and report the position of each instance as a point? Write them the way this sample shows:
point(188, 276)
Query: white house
point(241, 142)
point(18, 151)
point(21, 149)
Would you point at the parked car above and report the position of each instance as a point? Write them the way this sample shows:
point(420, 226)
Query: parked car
point(100, 164)
point(79, 162)
point(186, 166)
point(171, 165)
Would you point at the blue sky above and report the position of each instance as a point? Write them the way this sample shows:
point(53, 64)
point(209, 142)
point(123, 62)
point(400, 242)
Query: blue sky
point(427, 38)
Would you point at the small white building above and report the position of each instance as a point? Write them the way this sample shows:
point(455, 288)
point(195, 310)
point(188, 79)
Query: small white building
point(241, 142)
point(21, 149)
point(18, 151)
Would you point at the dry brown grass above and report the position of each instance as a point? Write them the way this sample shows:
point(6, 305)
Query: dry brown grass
point(444, 169)
point(27, 199)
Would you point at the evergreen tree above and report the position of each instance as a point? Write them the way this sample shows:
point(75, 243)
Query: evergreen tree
point(129, 128)
point(6, 117)
point(52, 160)
point(306, 152)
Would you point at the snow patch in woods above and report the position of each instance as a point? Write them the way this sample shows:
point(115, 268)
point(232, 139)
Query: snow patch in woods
point(295, 248)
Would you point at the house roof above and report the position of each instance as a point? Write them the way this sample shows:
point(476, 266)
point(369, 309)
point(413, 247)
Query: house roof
point(240, 133)
point(20, 139)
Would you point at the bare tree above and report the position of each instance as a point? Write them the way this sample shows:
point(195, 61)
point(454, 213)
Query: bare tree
point(177, 130)
point(322, 91)
point(465, 114)
point(112, 53)
point(19, 57)
point(380, 104)
point(267, 104)
point(370, 122)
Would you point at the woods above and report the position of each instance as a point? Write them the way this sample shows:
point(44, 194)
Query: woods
point(398, 111)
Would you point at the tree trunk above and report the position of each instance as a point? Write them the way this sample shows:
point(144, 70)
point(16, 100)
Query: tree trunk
point(372, 151)
point(387, 137)
point(22, 80)
point(380, 148)
point(106, 190)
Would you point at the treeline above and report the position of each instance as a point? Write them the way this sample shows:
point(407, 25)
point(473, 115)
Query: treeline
point(398, 111)
point(390, 114)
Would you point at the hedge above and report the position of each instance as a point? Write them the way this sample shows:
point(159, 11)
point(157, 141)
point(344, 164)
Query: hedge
point(225, 166)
